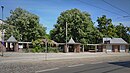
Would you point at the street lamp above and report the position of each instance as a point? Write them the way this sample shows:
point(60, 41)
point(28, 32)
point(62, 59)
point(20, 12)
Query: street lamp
point(2, 33)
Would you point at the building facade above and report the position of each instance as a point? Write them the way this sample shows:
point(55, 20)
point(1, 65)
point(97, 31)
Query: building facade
point(114, 45)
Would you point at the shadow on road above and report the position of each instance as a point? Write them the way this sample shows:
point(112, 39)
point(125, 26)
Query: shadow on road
point(118, 66)
point(124, 63)
point(91, 69)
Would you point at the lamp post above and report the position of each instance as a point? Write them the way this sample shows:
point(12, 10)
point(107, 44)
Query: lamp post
point(2, 33)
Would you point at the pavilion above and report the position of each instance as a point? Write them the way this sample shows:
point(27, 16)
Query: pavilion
point(71, 46)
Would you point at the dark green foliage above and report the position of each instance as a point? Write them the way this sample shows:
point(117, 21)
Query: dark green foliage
point(38, 49)
point(53, 49)
point(26, 26)
point(80, 27)
point(123, 32)
point(38, 46)
point(106, 27)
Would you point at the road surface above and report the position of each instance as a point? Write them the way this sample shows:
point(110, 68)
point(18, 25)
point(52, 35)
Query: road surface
point(65, 63)
point(110, 67)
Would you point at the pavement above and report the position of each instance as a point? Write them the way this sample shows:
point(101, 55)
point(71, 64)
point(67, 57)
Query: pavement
point(13, 62)
point(20, 57)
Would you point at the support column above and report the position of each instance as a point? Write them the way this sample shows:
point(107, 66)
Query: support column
point(104, 48)
point(6, 45)
point(78, 48)
point(65, 49)
point(16, 47)
point(127, 49)
point(27, 46)
point(83, 49)
point(95, 48)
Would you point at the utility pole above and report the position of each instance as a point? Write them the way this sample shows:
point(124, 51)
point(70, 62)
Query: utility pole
point(107, 24)
point(2, 34)
point(66, 48)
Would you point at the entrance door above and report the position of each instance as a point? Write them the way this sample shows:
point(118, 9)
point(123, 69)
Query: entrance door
point(71, 48)
point(115, 48)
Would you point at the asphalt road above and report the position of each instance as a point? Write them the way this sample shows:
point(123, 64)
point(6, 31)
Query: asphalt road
point(110, 67)
point(65, 63)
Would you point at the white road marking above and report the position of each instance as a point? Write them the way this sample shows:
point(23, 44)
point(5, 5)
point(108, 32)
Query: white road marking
point(47, 70)
point(110, 61)
point(76, 65)
point(96, 62)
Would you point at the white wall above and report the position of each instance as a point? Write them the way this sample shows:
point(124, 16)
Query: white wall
point(106, 39)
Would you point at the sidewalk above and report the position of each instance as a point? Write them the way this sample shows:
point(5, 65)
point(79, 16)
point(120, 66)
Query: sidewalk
point(21, 57)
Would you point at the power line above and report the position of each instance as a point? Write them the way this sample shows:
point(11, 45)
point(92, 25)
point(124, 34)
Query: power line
point(126, 16)
point(115, 7)
point(98, 7)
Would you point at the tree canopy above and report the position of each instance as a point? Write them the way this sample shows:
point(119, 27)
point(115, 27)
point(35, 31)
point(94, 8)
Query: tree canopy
point(109, 30)
point(123, 32)
point(106, 27)
point(80, 27)
point(26, 25)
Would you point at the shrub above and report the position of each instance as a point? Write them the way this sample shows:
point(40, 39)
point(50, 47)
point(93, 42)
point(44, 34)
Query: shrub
point(55, 50)
point(33, 50)
point(37, 49)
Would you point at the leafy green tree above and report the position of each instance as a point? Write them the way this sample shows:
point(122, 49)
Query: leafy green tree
point(106, 27)
point(80, 27)
point(123, 32)
point(128, 34)
point(8, 31)
point(26, 25)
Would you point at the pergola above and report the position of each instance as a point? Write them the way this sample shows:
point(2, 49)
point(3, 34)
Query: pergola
point(95, 45)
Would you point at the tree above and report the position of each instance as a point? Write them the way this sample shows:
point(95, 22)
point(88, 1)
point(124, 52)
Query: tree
point(80, 27)
point(106, 27)
point(123, 32)
point(10, 30)
point(128, 34)
point(26, 25)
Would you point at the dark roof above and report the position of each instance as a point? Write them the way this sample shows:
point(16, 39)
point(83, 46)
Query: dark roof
point(12, 39)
